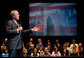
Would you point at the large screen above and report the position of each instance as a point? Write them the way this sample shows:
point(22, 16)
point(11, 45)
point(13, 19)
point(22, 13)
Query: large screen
point(53, 19)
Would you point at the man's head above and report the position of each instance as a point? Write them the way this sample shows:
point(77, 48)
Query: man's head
point(57, 40)
point(32, 46)
point(39, 40)
point(31, 39)
point(73, 41)
point(6, 40)
point(40, 43)
point(80, 44)
point(46, 49)
point(15, 14)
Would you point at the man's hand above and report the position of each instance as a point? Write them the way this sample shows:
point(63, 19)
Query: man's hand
point(35, 29)
point(20, 28)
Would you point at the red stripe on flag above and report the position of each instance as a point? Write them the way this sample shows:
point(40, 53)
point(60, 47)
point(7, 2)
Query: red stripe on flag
point(39, 8)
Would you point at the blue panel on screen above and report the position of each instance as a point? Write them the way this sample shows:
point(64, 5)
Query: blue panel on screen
point(53, 19)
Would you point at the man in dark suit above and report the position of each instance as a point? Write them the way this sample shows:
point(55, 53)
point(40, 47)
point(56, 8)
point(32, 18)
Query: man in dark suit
point(14, 31)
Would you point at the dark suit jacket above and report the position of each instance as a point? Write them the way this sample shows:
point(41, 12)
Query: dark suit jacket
point(11, 29)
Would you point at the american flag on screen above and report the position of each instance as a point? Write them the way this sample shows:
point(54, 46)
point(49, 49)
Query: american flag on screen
point(53, 19)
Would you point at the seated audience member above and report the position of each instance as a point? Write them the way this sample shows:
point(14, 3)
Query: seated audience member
point(68, 49)
point(65, 50)
point(46, 52)
point(35, 53)
point(80, 49)
point(31, 50)
point(5, 54)
point(3, 47)
point(56, 43)
point(6, 41)
point(23, 47)
point(25, 52)
point(73, 51)
point(59, 47)
point(40, 51)
point(67, 46)
point(39, 45)
point(56, 53)
point(28, 45)
point(39, 40)
point(31, 40)
point(74, 43)
point(49, 46)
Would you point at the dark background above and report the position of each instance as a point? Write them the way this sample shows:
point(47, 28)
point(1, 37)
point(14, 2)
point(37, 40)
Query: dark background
point(23, 7)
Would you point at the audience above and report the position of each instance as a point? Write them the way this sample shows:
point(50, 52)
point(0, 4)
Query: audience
point(38, 49)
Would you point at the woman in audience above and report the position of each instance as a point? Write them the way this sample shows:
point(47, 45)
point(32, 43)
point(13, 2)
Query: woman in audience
point(40, 51)
point(80, 49)
point(25, 52)
point(56, 53)
point(35, 53)
point(74, 51)
point(68, 49)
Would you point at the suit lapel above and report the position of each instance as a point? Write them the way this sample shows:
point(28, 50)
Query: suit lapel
point(14, 23)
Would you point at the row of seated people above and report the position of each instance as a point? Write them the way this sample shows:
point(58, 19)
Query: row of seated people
point(46, 50)
point(41, 50)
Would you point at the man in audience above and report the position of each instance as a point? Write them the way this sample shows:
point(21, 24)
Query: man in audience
point(31, 50)
point(46, 52)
